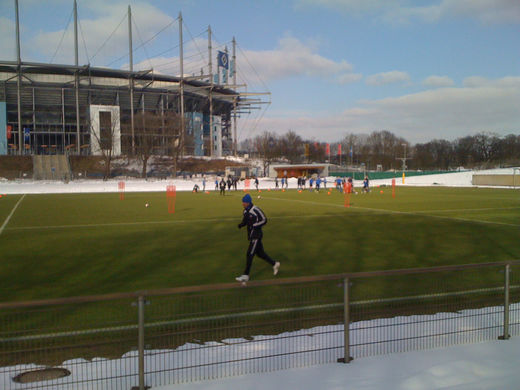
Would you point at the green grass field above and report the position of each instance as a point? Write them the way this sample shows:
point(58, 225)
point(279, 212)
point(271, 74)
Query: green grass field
point(86, 244)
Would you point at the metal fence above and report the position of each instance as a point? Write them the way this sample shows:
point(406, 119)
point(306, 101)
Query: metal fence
point(161, 337)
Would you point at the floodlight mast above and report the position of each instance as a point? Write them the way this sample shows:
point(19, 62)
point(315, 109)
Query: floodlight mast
point(131, 80)
point(19, 79)
point(210, 95)
point(181, 84)
point(234, 99)
point(76, 77)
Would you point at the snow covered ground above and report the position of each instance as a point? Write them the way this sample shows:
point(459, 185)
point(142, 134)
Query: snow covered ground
point(491, 365)
point(459, 179)
point(485, 366)
point(488, 365)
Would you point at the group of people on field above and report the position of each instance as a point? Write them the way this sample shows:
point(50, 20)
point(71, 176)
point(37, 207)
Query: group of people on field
point(284, 180)
point(231, 182)
point(342, 183)
point(314, 183)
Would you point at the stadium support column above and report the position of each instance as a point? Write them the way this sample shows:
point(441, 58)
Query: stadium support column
point(76, 78)
point(19, 80)
point(181, 84)
point(235, 98)
point(211, 146)
point(131, 81)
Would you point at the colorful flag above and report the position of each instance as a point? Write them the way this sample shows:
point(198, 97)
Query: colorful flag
point(351, 151)
point(222, 58)
point(327, 149)
point(307, 150)
point(339, 149)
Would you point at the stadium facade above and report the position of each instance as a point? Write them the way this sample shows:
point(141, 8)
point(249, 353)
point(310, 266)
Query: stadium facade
point(56, 109)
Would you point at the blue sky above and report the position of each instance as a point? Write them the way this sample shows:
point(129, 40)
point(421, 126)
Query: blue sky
point(423, 70)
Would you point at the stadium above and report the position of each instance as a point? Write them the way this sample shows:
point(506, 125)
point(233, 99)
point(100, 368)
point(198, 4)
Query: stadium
point(130, 283)
point(77, 109)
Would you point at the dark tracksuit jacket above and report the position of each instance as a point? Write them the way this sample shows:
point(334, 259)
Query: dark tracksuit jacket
point(254, 218)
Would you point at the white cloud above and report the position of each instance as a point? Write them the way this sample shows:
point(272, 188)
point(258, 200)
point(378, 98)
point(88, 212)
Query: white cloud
point(478, 82)
point(291, 58)
point(486, 11)
point(438, 81)
point(446, 113)
point(349, 78)
point(391, 77)
point(294, 58)
point(101, 28)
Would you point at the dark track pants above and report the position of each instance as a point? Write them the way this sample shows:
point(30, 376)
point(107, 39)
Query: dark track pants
point(256, 248)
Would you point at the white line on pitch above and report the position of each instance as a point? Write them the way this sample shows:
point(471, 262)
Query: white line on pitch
point(175, 222)
point(11, 214)
point(414, 213)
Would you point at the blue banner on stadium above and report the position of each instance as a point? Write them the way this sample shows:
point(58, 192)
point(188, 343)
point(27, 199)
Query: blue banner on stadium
point(223, 59)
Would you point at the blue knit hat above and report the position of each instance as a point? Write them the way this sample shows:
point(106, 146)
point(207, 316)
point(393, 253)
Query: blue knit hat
point(247, 199)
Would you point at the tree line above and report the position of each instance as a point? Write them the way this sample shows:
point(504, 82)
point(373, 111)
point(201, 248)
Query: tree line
point(386, 151)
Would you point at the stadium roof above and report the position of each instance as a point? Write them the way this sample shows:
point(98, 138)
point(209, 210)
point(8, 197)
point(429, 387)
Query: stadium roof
point(146, 75)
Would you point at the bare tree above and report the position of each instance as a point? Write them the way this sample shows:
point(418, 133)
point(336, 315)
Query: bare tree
point(157, 133)
point(291, 146)
point(266, 146)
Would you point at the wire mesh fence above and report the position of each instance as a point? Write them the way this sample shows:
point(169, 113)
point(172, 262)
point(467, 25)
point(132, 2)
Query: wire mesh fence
point(153, 338)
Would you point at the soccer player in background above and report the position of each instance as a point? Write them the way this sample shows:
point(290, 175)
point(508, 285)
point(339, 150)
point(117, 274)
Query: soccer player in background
point(254, 218)
point(365, 185)
point(222, 187)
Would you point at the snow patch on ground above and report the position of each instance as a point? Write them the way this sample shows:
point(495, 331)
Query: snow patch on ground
point(456, 179)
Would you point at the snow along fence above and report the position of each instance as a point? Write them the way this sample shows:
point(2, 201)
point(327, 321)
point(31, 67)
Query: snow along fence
point(162, 337)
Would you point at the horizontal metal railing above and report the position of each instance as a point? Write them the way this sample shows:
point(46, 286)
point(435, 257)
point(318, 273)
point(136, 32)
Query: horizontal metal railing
point(157, 337)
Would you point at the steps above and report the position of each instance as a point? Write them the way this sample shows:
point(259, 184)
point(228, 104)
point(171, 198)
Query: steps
point(53, 167)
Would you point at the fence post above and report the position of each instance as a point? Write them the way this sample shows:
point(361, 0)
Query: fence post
point(140, 341)
point(506, 334)
point(346, 322)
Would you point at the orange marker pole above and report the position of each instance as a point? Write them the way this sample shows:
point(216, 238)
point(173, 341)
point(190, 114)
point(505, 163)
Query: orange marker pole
point(171, 194)
point(347, 189)
point(121, 186)
point(393, 188)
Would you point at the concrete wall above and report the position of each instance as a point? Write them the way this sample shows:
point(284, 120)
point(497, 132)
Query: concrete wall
point(496, 180)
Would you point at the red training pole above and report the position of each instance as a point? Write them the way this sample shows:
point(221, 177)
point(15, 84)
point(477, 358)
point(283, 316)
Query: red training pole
point(347, 189)
point(171, 194)
point(121, 186)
